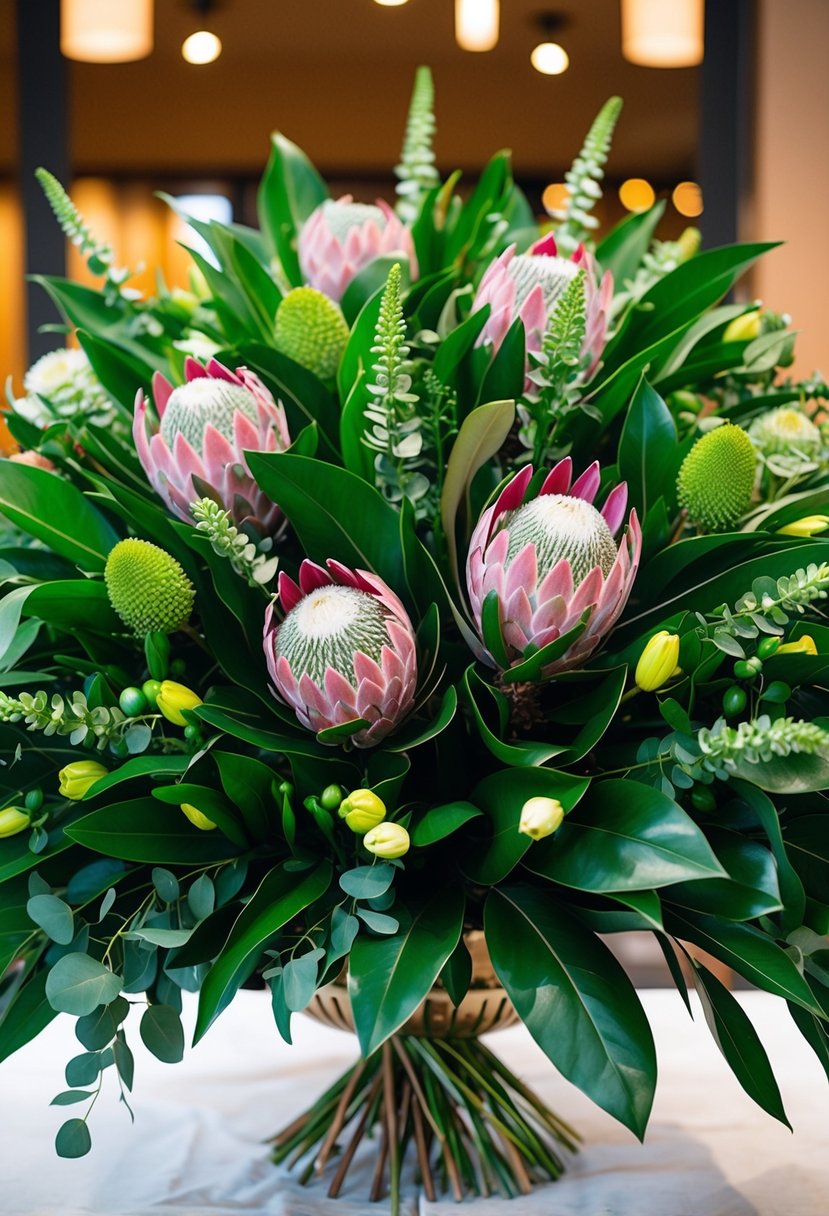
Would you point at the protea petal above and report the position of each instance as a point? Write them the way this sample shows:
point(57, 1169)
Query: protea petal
point(340, 237)
point(207, 424)
point(344, 649)
point(553, 563)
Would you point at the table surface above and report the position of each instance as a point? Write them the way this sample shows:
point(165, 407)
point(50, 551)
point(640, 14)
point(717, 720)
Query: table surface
point(196, 1147)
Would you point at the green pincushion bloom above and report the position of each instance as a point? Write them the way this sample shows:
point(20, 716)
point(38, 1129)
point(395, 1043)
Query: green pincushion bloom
point(716, 479)
point(148, 588)
point(311, 330)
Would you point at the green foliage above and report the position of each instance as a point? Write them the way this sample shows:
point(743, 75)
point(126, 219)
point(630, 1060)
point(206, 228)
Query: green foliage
point(416, 174)
point(583, 177)
point(98, 254)
point(248, 557)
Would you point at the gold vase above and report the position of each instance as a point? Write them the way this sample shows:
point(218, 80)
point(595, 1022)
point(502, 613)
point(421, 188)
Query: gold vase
point(486, 1006)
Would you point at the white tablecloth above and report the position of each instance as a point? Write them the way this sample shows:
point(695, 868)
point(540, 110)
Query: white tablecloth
point(196, 1145)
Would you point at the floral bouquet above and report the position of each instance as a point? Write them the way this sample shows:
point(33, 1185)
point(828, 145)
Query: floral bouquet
point(441, 597)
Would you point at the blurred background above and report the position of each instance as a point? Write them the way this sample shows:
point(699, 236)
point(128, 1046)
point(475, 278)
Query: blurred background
point(735, 139)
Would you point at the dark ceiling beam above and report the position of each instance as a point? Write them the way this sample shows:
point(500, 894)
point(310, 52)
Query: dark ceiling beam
point(43, 140)
point(726, 117)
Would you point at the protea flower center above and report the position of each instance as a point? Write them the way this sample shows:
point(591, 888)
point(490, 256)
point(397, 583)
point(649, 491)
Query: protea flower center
point(205, 400)
point(340, 218)
point(561, 526)
point(783, 429)
point(552, 274)
point(328, 627)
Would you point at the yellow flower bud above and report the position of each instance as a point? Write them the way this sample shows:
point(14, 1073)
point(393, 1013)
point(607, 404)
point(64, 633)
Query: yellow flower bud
point(803, 645)
point(809, 525)
point(657, 663)
point(541, 817)
point(744, 328)
point(13, 819)
point(387, 840)
point(362, 810)
point(173, 698)
point(196, 817)
point(77, 777)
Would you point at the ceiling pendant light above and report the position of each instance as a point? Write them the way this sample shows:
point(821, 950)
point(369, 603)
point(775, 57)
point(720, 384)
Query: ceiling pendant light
point(106, 31)
point(477, 24)
point(201, 47)
point(663, 33)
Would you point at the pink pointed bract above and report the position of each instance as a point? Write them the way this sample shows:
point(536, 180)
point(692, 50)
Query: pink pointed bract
point(340, 237)
point(345, 649)
point(529, 286)
point(543, 594)
point(197, 445)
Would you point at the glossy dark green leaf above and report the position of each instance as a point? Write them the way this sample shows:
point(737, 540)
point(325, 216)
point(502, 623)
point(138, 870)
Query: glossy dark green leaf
point(279, 898)
point(622, 249)
point(389, 976)
point(575, 1000)
point(441, 821)
point(456, 975)
point(791, 886)
point(751, 889)
point(648, 450)
point(333, 512)
point(807, 844)
point(28, 1012)
point(814, 1030)
point(149, 831)
point(625, 836)
point(98, 1029)
point(739, 1043)
point(53, 510)
point(490, 708)
point(749, 951)
point(290, 190)
point(247, 782)
point(495, 845)
point(162, 1033)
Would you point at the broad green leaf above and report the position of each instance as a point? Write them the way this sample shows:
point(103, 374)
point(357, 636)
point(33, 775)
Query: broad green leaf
point(28, 1012)
point(367, 882)
point(739, 1043)
point(78, 984)
point(807, 844)
point(648, 450)
point(441, 821)
point(333, 512)
point(97, 1029)
point(495, 845)
point(53, 916)
point(575, 1000)
point(622, 250)
point(625, 836)
point(290, 190)
point(749, 951)
point(148, 831)
point(482, 434)
point(162, 1033)
point(751, 889)
point(278, 899)
point(388, 977)
point(54, 511)
point(73, 1139)
point(814, 1031)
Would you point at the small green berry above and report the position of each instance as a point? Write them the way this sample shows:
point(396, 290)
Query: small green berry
point(768, 647)
point(133, 702)
point(191, 731)
point(178, 667)
point(703, 798)
point(33, 800)
point(734, 701)
point(747, 669)
point(151, 689)
point(331, 797)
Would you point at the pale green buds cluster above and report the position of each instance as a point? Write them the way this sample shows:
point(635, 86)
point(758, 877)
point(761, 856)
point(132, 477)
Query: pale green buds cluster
point(658, 661)
point(78, 777)
point(541, 817)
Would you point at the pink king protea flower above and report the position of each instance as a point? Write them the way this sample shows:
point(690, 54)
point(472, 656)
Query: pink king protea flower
point(206, 425)
point(529, 285)
point(345, 650)
point(552, 561)
point(340, 237)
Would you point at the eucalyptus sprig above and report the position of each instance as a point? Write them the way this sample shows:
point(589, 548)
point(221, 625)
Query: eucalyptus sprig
point(768, 606)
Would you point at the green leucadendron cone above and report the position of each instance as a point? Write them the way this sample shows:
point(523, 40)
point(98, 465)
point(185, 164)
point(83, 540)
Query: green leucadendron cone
point(311, 330)
point(148, 588)
point(716, 479)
